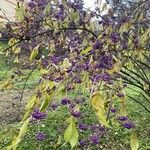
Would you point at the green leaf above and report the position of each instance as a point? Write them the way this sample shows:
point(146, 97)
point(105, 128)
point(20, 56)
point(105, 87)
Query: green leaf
point(134, 143)
point(71, 134)
point(34, 53)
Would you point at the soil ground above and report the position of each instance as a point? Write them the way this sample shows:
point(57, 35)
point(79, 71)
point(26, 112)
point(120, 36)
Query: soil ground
point(10, 108)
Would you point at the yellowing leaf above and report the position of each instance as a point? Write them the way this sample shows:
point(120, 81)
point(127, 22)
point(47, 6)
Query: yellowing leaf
point(59, 141)
point(97, 101)
point(6, 85)
point(47, 84)
point(20, 12)
point(16, 60)
point(34, 53)
point(22, 132)
point(74, 15)
point(145, 36)
point(134, 143)
point(47, 9)
point(123, 108)
point(66, 64)
point(86, 50)
point(98, 104)
point(29, 107)
point(56, 27)
point(12, 41)
point(141, 17)
point(44, 71)
point(16, 50)
point(46, 101)
point(116, 68)
point(104, 7)
point(102, 117)
point(125, 27)
point(71, 134)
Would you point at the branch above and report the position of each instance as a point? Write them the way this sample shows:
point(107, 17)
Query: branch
point(140, 93)
point(139, 103)
point(24, 86)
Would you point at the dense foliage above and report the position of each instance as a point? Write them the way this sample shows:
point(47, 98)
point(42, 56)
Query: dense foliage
point(82, 53)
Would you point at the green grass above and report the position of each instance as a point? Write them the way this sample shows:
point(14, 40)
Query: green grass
point(55, 125)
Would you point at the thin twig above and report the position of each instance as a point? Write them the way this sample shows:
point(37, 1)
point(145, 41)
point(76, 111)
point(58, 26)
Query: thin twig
point(22, 93)
point(139, 103)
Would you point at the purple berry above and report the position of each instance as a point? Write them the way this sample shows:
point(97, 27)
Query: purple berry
point(40, 136)
point(38, 115)
point(113, 110)
point(94, 139)
point(82, 127)
point(65, 101)
point(122, 118)
point(128, 125)
point(75, 113)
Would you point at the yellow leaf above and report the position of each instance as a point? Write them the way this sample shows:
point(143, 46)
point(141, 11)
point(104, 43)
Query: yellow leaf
point(102, 117)
point(34, 53)
point(104, 7)
point(123, 108)
point(16, 60)
point(29, 107)
point(74, 15)
point(44, 71)
point(46, 101)
point(47, 84)
point(134, 143)
point(125, 27)
point(116, 68)
point(12, 41)
point(145, 36)
point(97, 101)
point(16, 50)
point(66, 64)
point(7, 84)
point(20, 12)
point(98, 104)
point(86, 50)
point(59, 141)
point(56, 27)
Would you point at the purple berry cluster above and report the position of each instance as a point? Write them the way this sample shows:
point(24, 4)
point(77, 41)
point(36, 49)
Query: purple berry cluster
point(37, 114)
point(97, 131)
point(124, 121)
